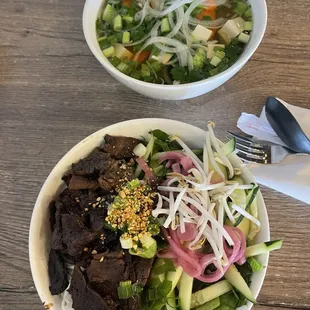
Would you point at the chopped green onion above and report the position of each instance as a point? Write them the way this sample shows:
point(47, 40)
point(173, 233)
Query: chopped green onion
point(112, 40)
point(151, 68)
point(126, 37)
point(124, 67)
point(153, 228)
point(109, 52)
point(248, 13)
point(127, 19)
point(115, 61)
point(240, 7)
point(103, 42)
point(117, 23)
point(215, 61)
point(165, 26)
point(244, 38)
point(109, 13)
point(145, 70)
point(219, 54)
point(248, 26)
point(125, 290)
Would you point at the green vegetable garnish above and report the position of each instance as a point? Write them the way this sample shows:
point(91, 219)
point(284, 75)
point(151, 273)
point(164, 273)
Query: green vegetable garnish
point(167, 266)
point(255, 264)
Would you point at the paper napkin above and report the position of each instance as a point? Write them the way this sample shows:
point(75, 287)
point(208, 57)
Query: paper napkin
point(292, 175)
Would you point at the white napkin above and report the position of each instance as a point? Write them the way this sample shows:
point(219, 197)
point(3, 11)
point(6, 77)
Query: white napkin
point(292, 175)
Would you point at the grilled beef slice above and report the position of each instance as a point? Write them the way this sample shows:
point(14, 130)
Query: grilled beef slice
point(84, 298)
point(120, 147)
point(75, 235)
point(96, 162)
point(57, 273)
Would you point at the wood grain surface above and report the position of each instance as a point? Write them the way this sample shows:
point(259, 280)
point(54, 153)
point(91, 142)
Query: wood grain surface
point(53, 93)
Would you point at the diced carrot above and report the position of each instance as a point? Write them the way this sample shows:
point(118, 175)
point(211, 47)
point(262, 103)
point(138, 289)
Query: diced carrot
point(143, 56)
point(127, 3)
point(207, 12)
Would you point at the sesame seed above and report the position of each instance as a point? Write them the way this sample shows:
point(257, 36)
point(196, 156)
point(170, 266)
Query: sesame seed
point(101, 259)
point(94, 252)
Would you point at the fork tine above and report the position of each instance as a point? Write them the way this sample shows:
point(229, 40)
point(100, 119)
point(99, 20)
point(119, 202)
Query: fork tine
point(248, 159)
point(250, 149)
point(244, 140)
point(252, 155)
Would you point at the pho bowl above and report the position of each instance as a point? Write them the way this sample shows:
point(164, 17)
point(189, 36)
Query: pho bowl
point(93, 9)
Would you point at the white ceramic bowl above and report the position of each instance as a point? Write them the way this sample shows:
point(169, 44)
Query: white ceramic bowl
point(92, 9)
point(40, 233)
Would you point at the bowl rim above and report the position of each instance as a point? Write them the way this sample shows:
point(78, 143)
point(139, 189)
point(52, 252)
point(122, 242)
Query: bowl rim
point(245, 56)
point(35, 232)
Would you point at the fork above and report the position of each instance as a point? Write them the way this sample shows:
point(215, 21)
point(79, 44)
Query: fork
point(255, 151)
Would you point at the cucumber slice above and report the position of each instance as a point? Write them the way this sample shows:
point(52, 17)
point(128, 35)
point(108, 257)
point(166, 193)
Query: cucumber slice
point(262, 248)
point(205, 295)
point(254, 229)
point(171, 302)
point(150, 144)
point(174, 276)
point(249, 199)
point(210, 305)
point(229, 147)
point(216, 178)
point(185, 292)
point(236, 279)
point(244, 226)
point(109, 14)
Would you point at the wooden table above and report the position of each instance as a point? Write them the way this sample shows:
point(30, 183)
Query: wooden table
point(53, 93)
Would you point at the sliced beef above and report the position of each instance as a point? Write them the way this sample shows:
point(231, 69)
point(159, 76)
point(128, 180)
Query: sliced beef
point(69, 201)
point(105, 276)
point(142, 268)
point(84, 297)
point(97, 218)
point(120, 147)
point(57, 243)
point(78, 182)
point(116, 174)
point(57, 273)
point(96, 162)
point(75, 235)
point(52, 211)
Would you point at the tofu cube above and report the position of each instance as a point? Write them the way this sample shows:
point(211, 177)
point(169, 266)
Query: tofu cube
point(201, 33)
point(229, 31)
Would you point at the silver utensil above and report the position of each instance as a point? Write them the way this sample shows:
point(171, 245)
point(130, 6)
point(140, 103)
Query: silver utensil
point(255, 151)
